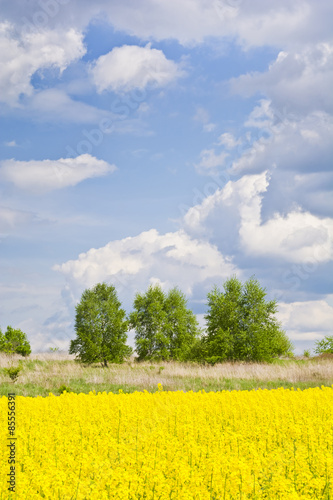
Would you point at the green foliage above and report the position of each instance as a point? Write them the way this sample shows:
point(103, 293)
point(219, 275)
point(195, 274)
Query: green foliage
point(241, 325)
point(14, 341)
point(325, 345)
point(13, 372)
point(165, 327)
point(64, 388)
point(100, 327)
point(306, 353)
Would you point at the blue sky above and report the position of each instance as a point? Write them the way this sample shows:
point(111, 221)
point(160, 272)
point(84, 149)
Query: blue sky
point(165, 142)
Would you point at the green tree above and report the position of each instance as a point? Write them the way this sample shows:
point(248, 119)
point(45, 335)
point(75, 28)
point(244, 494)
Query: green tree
point(149, 319)
point(165, 328)
point(182, 326)
point(241, 324)
point(101, 327)
point(14, 341)
point(324, 345)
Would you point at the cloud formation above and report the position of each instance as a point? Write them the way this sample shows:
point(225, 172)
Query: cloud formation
point(132, 67)
point(48, 175)
point(308, 320)
point(297, 236)
point(297, 82)
point(22, 55)
point(172, 259)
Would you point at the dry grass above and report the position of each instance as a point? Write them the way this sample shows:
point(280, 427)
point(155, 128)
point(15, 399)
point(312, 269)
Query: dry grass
point(44, 373)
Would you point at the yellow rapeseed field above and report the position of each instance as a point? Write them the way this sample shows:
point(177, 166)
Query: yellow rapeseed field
point(260, 444)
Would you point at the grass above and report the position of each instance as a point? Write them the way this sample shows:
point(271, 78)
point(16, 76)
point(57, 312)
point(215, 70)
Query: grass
point(44, 373)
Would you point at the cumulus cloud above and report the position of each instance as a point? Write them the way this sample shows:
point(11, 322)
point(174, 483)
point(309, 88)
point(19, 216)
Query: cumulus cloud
point(297, 82)
point(23, 55)
point(308, 320)
point(256, 23)
point(134, 262)
point(297, 236)
point(132, 67)
point(47, 175)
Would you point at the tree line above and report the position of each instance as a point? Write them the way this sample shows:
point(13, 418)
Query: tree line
point(240, 326)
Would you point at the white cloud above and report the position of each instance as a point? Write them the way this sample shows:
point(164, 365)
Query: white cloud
point(297, 82)
point(255, 23)
point(297, 236)
point(210, 161)
point(22, 56)
point(291, 144)
point(47, 175)
point(172, 258)
point(228, 141)
point(130, 67)
point(308, 320)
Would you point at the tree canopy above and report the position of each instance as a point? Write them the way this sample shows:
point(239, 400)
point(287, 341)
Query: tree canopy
point(101, 327)
point(241, 324)
point(165, 327)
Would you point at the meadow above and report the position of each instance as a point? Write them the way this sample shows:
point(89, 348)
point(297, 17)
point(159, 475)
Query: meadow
point(44, 373)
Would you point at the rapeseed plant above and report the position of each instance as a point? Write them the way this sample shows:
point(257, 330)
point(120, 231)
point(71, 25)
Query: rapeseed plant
point(260, 444)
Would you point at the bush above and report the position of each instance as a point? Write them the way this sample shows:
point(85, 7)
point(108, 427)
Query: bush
point(13, 372)
point(14, 341)
point(64, 388)
point(324, 346)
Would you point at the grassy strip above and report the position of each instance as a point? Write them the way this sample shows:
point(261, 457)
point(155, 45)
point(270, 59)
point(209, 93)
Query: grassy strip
point(42, 374)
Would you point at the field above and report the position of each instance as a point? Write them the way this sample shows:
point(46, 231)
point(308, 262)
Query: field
point(45, 373)
point(157, 433)
point(173, 445)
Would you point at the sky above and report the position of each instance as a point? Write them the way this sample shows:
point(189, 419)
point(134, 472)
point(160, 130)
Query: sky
point(178, 142)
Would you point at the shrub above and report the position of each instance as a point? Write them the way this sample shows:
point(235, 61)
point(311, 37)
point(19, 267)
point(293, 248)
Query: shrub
point(325, 345)
point(64, 388)
point(13, 372)
point(14, 341)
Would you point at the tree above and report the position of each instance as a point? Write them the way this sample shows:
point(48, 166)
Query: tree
point(241, 324)
point(149, 319)
point(182, 326)
point(100, 327)
point(165, 328)
point(14, 341)
point(325, 345)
